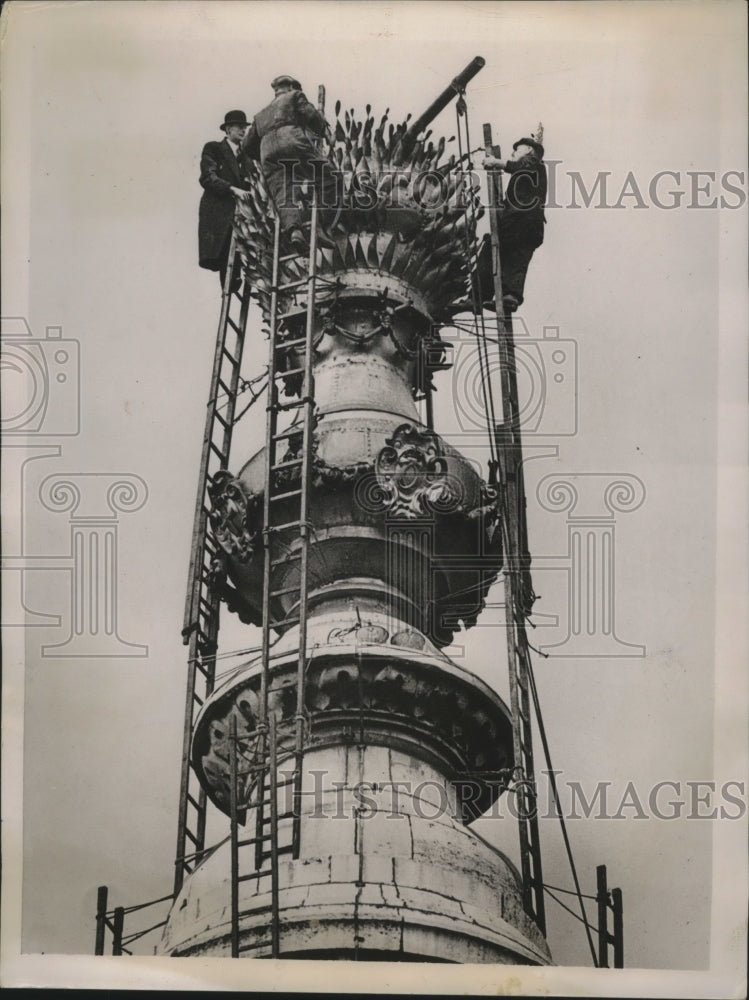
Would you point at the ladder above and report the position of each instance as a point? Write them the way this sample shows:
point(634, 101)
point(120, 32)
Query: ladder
point(286, 538)
point(516, 577)
point(255, 784)
point(202, 604)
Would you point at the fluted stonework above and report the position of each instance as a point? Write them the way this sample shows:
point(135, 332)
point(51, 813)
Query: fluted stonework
point(404, 748)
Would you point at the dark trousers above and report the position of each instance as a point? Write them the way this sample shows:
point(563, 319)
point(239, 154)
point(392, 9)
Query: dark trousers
point(285, 180)
point(516, 248)
point(515, 255)
point(224, 265)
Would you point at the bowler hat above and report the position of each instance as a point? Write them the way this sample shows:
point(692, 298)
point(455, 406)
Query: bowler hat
point(234, 118)
point(286, 81)
point(533, 144)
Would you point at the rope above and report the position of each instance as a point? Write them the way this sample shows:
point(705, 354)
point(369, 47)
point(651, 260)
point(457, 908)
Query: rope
point(470, 589)
point(461, 110)
point(198, 854)
point(142, 906)
point(242, 387)
point(139, 934)
point(553, 782)
point(255, 397)
point(571, 911)
point(569, 892)
point(222, 656)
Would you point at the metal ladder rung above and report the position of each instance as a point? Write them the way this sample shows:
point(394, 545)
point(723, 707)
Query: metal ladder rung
point(295, 404)
point(289, 464)
point(292, 344)
point(289, 315)
point(199, 666)
point(192, 837)
point(284, 526)
point(283, 591)
point(279, 816)
point(289, 432)
point(294, 620)
point(284, 496)
point(262, 873)
point(253, 840)
point(292, 284)
point(289, 373)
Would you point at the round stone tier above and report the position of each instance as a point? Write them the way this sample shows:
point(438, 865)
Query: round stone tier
point(385, 872)
point(370, 679)
point(370, 320)
point(389, 501)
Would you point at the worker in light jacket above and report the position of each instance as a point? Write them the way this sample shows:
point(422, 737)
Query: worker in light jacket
point(225, 179)
point(283, 137)
point(521, 220)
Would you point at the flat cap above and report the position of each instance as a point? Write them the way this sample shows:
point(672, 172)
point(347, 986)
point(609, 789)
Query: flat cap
point(536, 146)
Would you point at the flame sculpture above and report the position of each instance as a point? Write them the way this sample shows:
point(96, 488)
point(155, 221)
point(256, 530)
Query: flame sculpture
point(405, 212)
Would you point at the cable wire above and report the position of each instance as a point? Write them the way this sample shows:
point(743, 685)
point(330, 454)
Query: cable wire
point(560, 815)
point(142, 906)
point(139, 934)
point(569, 892)
point(461, 111)
point(570, 910)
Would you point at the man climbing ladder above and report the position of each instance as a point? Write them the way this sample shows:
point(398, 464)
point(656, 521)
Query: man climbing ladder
point(521, 219)
point(284, 137)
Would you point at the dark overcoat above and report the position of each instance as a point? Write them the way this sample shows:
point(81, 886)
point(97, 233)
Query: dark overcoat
point(220, 171)
point(523, 217)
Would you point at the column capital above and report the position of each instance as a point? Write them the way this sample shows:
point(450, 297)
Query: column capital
point(93, 495)
point(591, 496)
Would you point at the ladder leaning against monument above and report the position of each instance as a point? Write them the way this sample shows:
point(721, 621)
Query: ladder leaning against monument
point(286, 531)
point(202, 605)
point(286, 537)
point(516, 577)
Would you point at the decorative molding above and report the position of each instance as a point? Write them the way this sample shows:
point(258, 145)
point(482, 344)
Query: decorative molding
point(231, 516)
point(413, 477)
point(447, 714)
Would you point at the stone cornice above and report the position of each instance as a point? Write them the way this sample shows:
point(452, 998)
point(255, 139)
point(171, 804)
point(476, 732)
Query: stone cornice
point(408, 702)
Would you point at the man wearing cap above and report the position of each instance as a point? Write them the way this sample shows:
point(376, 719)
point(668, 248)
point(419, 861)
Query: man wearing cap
point(283, 137)
point(225, 179)
point(521, 221)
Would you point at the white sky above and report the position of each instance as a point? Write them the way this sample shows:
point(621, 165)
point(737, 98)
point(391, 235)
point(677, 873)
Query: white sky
point(105, 110)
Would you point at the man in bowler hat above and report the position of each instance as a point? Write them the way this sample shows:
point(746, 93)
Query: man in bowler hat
point(521, 221)
point(283, 137)
point(225, 179)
